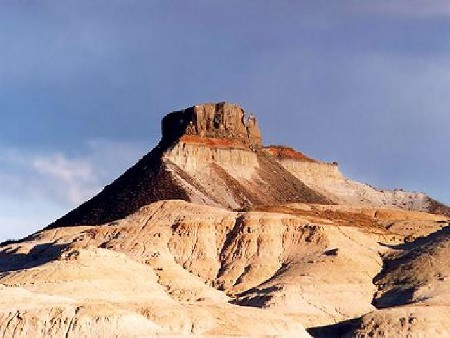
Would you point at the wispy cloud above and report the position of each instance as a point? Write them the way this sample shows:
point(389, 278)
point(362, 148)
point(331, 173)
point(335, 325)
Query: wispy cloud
point(76, 176)
point(38, 187)
point(67, 180)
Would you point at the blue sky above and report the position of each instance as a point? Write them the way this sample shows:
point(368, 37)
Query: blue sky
point(84, 84)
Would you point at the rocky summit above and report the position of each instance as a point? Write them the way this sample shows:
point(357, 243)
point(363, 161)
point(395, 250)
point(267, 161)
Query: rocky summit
point(214, 234)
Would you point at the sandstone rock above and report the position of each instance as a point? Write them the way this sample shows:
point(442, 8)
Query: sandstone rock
point(213, 120)
point(253, 131)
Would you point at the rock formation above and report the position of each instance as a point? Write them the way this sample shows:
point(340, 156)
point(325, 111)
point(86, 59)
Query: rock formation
point(208, 154)
point(213, 234)
point(218, 121)
point(213, 154)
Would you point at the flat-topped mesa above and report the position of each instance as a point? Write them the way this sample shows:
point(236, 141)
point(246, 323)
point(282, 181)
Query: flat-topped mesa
point(219, 121)
point(211, 154)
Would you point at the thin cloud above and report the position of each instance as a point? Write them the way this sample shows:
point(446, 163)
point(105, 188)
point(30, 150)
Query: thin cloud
point(76, 175)
point(38, 187)
point(68, 180)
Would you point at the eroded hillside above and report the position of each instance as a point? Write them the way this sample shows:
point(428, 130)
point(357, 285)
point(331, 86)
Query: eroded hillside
point(213, 234)
point(295, 268)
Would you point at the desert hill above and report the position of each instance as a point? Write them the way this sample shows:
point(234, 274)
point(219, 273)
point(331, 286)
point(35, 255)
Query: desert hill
point(214, 234)
point(212, 154)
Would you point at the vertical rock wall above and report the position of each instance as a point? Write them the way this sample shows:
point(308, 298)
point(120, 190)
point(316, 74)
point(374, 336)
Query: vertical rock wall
point(213, 120)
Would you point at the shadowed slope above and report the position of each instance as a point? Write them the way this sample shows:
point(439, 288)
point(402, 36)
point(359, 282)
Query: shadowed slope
point(146, 182)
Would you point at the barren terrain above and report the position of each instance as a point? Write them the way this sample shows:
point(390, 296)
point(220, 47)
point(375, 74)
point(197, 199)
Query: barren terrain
point(212, 234)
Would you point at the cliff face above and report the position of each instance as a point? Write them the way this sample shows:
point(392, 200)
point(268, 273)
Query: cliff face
point(217, 121)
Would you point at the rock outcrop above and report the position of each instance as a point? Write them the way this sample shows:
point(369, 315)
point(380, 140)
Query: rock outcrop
point(218, 121)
